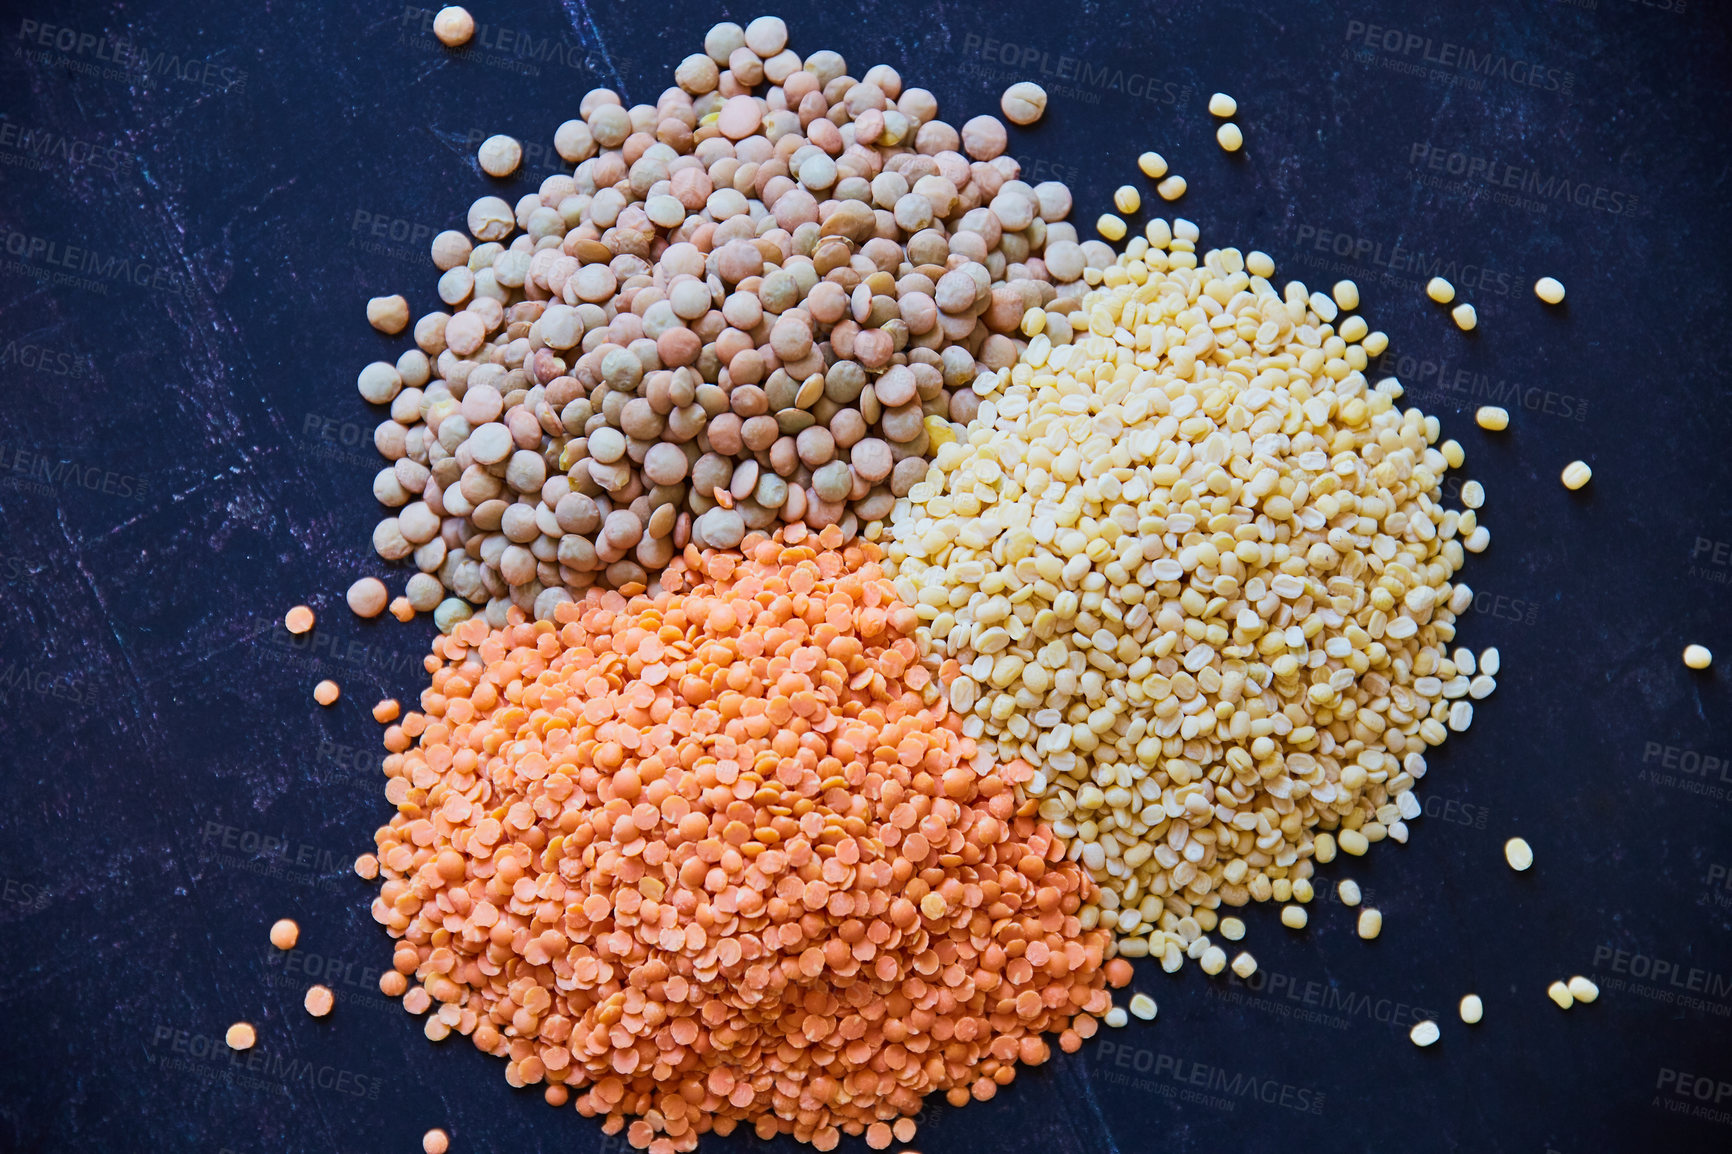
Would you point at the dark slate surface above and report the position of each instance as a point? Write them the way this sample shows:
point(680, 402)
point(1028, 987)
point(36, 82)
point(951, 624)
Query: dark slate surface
point(197, 201)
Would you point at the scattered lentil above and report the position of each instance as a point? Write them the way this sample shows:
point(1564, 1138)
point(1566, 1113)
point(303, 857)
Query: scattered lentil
point(326, 692)
point(298, 620)
point(319, 1000)
point(367, 597)
point(388, 314)
point(1698, 656)
point(1023, 102)
point(435, 1141)
point(241, 1036)
point(386, 711)
point(1472, 1009)
point(499, 155)
point(1153, 165)
point(453, 26)
point(285, 932)
point(1576, 474)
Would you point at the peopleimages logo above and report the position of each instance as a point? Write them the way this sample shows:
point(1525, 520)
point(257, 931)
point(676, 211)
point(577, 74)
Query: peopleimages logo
point(88, 268)
point(1028, 60)
point(1412, 263)
point(88, 53)
point(1496, 175)
point(1419, 51)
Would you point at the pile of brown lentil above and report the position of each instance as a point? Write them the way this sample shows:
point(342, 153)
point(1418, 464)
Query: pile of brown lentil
point(721, 854)
point(761, 300)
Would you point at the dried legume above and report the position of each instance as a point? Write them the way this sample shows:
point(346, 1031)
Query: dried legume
point(1023, 102)
point(1550, 290)
point(241, 1036)
point(285, 932)
point(747, 795)
point(1698, 656)
point(319, 1000)
point(736, 311)
point(1472, 1009)
point(1576, 474)
point(453, 26)
point(1210, 608)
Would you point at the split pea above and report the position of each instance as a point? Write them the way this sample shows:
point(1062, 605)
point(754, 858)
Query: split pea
point(1697, 656)
point(1472, 1009)
point(1576, 474)
point(1229, 137)
point(1153, 165)
point(1550, 290)
point(1492, 417)
point(1439, 290)
point(1370, 923)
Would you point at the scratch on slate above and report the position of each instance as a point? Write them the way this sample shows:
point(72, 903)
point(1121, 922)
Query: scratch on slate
point(581, 20)
point(1102, 1129)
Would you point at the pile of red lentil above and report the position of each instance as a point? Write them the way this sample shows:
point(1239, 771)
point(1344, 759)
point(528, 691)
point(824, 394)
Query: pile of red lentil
point(713, 856)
